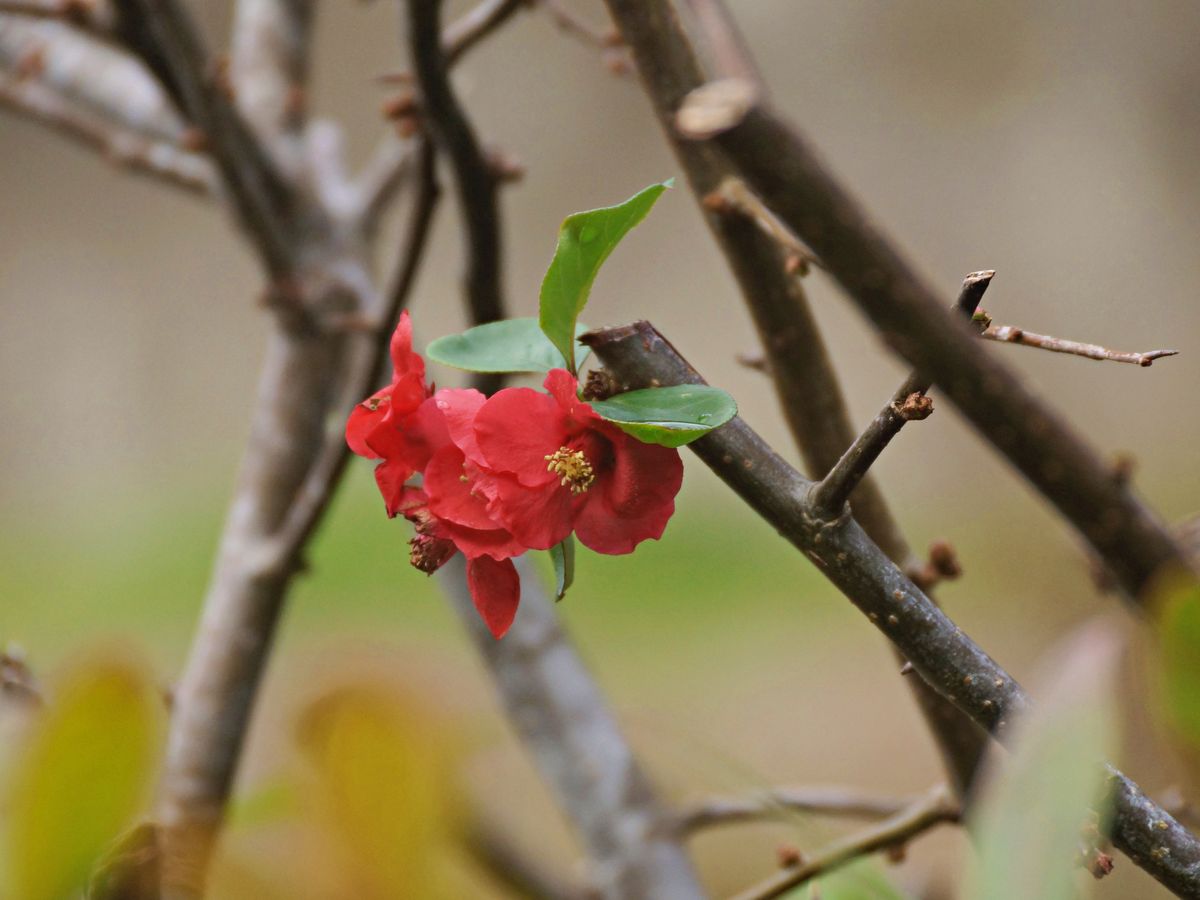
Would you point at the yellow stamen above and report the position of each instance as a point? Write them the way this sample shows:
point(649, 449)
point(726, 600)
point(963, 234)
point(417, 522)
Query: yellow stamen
point(573, 466)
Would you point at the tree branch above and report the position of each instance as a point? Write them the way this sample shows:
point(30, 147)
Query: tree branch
point(101, 79)
point(1010, 334)
point(784, 171)
point(941, 653)
point(162, 34)
point(936, 808)
point(804, 379)
point(475, 184)
point(269, 63)
point(472, 27)
point(830, 494)
point(780, 803)
point(560, 715)
point(130, 150)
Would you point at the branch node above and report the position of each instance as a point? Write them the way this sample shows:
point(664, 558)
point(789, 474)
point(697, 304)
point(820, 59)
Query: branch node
point(715, 108)
point(915, 407)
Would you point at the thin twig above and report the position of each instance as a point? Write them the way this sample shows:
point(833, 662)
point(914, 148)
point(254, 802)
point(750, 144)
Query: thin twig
point(162, 33)
point(734, 197)
point(101, 77)
point(475, 183)
point(935, 808)
point(786, 173)
point(130, 150)
point(944, 656)
point(831, 493)
point(93, 17)
point(801, 370)
point(1010, 334)
point(825, 800)
point(472, 27)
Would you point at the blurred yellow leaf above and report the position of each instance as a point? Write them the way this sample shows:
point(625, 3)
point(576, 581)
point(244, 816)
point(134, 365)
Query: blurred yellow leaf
point(385, 790)
point(80, 778)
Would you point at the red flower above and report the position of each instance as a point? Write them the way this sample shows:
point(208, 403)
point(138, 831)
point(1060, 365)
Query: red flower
point(383, 425)
point(493, 581)
point(549, 465)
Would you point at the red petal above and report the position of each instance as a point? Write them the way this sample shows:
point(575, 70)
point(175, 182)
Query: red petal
point(474, 543)
point(404, 361)
point(459, 407)
point(496, 590)
point(390, 475)
point(450, 496)
point(537, 517)
point(517, 429)
point(634, 500)
point(563, 387)
point(365, 418)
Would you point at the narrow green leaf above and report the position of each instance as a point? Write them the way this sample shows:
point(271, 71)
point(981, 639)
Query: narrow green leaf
point(563, 556)
point(80, 780)
point(671, 416)
point(584, 242)
point(510, 345)
point(1031, 815)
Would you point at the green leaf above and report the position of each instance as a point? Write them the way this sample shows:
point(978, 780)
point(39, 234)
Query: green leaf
point(584, 242)
point(671, 416)
point(1176, 605)
point(80, 780)
point(563, 556)
point(510, 345)
point(1030, 816)
point(859, 880)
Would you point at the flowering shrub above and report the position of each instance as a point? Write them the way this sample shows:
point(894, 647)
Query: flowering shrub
point(528, 469)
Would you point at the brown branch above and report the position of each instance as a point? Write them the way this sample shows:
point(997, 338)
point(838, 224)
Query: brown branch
point(1010, 334)
point(936, 808)
point(475, 184)
point(726, 48)
point(129, 150)
point(785, 172)
point(803, 375)
point(92, 17)
point(831, 493)
point(637, 355)
point(783, 803)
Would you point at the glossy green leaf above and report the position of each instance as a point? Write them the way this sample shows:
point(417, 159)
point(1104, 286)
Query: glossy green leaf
point(510, 345)
point(1177, 608)
point(563, 556)
point(1031, 814)
point(584, 242)
point(671, 416)
point(80, 780)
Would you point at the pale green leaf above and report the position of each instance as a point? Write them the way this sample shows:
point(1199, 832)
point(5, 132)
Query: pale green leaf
point(510, 345)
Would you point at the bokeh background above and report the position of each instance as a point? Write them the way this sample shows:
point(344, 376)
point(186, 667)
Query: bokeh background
point(1056, 143)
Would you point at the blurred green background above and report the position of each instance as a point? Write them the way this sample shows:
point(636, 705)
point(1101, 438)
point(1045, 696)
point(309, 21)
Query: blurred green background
point(1055, 143)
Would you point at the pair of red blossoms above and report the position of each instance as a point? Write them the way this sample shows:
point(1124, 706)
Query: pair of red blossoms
point(517, 471)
